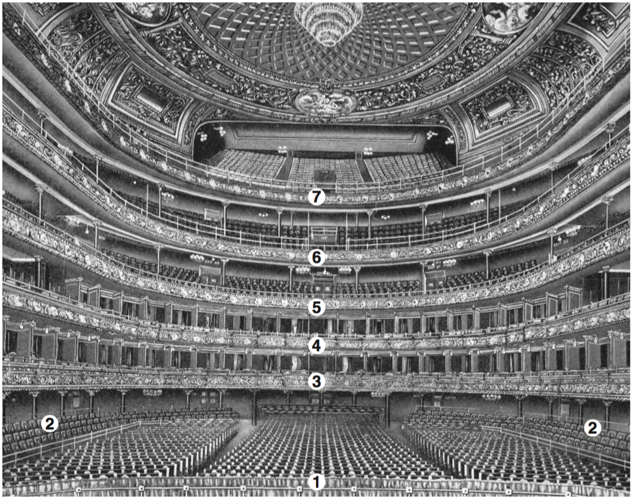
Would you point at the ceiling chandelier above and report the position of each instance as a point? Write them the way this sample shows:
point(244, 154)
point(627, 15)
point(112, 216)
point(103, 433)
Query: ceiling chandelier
point(329, 22)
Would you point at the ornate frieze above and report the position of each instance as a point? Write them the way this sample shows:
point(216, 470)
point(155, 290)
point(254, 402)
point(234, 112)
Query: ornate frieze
point(53, 377)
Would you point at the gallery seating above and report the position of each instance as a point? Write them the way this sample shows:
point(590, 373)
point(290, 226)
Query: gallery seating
point(262, 165)
point(395, 167)
point(303, 170)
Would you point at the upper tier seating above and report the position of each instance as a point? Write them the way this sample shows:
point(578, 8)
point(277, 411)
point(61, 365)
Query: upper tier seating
point(28, 434)
point(458, 280)
point(496, 456)
point(393, 168)
point(172, 272)
point(250, 163)
point(340, 445)
point(147, 451)
point(615, 444)
point(380, 287)
point(307, 410)
point(303, 169)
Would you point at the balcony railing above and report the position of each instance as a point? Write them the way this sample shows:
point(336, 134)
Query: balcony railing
point(80, 174)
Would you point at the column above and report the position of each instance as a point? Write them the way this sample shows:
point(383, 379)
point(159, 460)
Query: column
point(423, 276)
point(551, 233)
point(123, 393)
point(91, 401)
point(249, 359)
point(487, 254)
point(387, 411)
point(605, 282)
point(188, 394)
point(279, 212)
point(367, 324)
point(62, 403)
point(224, 263)
point(160, 199)
point(278, 361)
point(288, 396)
point(357, 270)
point(43, 116)
point(354, 398)
point(609, 129)
point(474, 360)
point(550, 408)
point(254, 408)
point(158, 247)
point(607, 414)
point(423, 213)
point(370, 216)
point(291, 268)
point(488, 196)
point(448, 357)
point(520, 405)
point(365, 356)
point(221, 397)
point(96, 225)
point(40, 188)
point(552, 168)
point(581, 410)
point(225, 206)
point(34, 395)
point(394, 362)
point(97, 160)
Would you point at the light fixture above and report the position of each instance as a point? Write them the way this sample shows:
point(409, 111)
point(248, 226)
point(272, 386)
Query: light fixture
point(167, 196)
point(450, 140)
point(196, 257)
point(329, 22)
point(344, 270)
point(220, 129)
point(203, 136)
point(263, 214)
point(491, 397)
point(449, 263)
point(368, 151)
point(302, 270)
point(385, 217)
point(430, 134)
point(476, 202)
point(282, 150)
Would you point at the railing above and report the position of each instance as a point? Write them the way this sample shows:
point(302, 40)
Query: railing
point(175, 160)
point(485, 284)
point(200, 227)
point(601, 458)
point(612, 426)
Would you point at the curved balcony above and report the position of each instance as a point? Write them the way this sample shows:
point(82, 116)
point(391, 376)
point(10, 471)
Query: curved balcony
point(30, 299)
point(25, 227)
point(513, 153)
point(206, 239)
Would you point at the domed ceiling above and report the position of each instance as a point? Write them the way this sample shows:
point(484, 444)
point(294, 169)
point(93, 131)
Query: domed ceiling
point(390, 36)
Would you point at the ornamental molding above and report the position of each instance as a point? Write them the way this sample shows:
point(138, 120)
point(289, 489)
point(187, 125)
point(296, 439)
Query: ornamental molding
point(605, 386)
point(581, 321)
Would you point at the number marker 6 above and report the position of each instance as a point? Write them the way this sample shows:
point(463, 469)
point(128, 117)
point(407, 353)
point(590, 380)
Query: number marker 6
point(317, 257)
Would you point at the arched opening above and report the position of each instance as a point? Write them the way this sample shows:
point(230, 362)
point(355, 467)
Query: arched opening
point(208, 143)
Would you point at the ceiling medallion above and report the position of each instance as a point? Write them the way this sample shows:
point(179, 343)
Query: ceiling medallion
point(325, 102)
point(329, 22)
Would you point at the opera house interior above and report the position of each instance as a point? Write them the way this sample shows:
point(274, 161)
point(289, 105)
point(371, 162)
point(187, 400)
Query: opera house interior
point(304, 249)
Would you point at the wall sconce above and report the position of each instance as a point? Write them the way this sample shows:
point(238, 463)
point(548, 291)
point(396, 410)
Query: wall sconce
point(282, 150)
point(220, 129)
point(368, 151)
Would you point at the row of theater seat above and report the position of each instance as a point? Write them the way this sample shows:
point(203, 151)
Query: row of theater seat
point(289, 410)
point(341, 445)
point(496, 456)
point(610, 442)
point(28, 434)
point(171, 272)
point(151, 450)
point(378, 288)
point(262, 165)
point(457, 280)
point(395, 167)
point(304, 169)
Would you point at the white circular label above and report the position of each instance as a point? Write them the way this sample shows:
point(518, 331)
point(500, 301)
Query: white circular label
point(316, 345)
point(316, 381)
point(316, 482)
point(316, 307)
point(593, 428)
point(316, 197)
point(49, 423)
point(317, 257)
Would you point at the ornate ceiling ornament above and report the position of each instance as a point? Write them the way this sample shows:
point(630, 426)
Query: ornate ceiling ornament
point(329, 22)
point(325, 102)
point(146, 14)
point(510, 18)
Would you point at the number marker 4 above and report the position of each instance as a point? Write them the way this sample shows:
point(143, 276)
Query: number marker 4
point(316, 345)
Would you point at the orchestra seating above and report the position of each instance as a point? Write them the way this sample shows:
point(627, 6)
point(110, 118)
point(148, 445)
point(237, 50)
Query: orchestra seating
point(610, 442)
point(149, 450)
point(307, 410)
point(19, 436)
point(496, 456)
point(459, 280)
point(303, 170)
point(349, 445)
point(396, 167)
point(253, 164)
